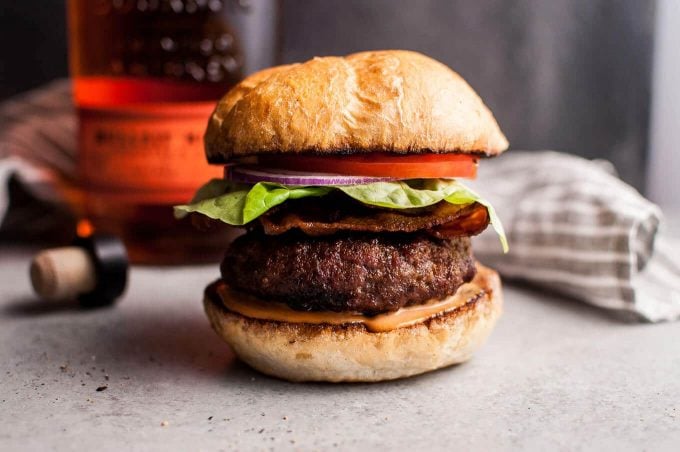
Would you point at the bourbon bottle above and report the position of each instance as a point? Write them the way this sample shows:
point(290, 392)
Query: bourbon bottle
point(146, 77)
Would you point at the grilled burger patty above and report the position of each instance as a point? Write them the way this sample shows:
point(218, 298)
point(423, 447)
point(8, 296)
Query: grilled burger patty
point(367, 273)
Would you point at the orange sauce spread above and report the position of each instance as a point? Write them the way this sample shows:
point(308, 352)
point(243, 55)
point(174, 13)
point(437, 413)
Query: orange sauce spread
point(252, 307)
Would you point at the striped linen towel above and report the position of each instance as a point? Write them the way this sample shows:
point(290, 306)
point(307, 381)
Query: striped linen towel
point(573, 226)
point(38, 147)
point(577, 229)
point(38, 133)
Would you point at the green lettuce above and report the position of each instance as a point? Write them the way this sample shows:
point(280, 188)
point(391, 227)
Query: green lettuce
point(239, 204)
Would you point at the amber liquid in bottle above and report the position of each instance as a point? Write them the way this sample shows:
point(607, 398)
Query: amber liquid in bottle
point(146, 76)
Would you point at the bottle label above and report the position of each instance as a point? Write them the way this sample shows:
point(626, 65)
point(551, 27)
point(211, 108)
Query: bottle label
point(150, 153)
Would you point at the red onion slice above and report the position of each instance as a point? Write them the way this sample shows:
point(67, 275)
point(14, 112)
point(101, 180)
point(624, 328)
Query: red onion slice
point(251, 174)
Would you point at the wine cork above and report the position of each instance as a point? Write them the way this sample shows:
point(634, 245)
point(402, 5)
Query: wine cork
point(63, 273)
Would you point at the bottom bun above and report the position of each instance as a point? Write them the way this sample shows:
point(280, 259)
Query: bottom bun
point(349, 352)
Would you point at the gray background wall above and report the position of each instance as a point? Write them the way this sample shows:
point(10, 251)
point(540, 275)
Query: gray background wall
point(664, 165)
point(572, 75)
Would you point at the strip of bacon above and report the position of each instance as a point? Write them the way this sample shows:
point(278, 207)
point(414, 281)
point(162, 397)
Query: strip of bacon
point(319, 217)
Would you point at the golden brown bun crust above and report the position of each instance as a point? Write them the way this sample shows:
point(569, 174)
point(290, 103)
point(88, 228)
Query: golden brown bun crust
point(349, 352)
point(383, 101)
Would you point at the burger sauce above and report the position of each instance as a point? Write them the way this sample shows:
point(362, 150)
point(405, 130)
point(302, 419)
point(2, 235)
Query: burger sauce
point(146, 77)
point(406, 316)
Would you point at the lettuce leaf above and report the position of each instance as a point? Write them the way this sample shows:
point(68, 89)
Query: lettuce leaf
point(238, 204)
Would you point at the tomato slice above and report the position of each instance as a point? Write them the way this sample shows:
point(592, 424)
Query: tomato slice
point(379, 164)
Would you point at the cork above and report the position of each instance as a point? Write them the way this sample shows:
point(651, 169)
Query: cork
point(63, 273)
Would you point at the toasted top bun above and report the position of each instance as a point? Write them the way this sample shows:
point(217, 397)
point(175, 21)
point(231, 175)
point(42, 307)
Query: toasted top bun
point(384, 101)
point(350, 352)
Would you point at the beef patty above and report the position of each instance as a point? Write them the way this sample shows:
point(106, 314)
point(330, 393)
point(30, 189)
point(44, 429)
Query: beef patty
point(367, 273)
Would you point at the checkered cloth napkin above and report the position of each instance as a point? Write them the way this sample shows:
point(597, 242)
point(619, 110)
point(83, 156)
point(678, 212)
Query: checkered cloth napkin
point(577, 229)
point(38, 146)
point(573, 226)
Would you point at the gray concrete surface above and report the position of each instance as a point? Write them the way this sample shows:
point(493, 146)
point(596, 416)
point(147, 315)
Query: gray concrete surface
point(555, 375)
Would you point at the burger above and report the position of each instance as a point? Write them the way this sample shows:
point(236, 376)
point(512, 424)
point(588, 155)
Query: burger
point(345, 174)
